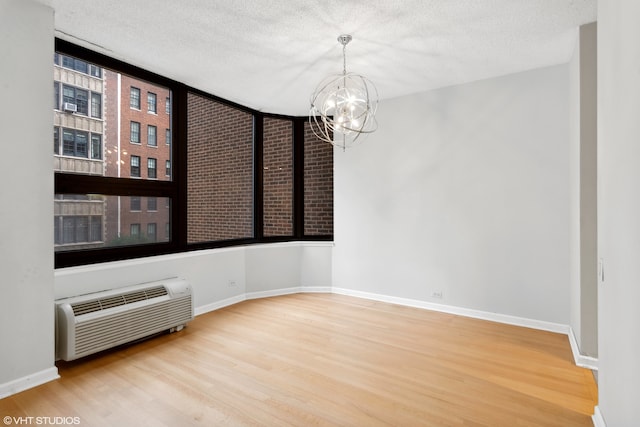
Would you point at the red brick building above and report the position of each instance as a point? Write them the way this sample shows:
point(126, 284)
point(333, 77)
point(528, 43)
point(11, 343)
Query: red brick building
point(137, 145)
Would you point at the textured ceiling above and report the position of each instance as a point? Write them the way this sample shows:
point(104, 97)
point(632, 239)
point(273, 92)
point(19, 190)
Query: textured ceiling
point(270, 54)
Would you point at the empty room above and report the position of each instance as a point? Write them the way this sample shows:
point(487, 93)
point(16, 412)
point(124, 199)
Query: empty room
point(320, 213)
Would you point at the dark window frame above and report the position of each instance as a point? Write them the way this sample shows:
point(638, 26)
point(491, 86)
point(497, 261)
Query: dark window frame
point(175, 189)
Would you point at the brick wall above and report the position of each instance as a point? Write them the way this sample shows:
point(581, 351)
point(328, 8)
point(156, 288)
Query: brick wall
point(278, 177)
point(318, 185)
point(219, 171)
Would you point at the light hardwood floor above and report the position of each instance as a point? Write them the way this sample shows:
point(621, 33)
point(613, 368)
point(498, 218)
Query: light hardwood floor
point(324, 359)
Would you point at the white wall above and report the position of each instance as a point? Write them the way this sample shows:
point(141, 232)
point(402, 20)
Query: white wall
point(26, 210)
point(464, 190)
point(218, 276)
point(619, 211)
point(583, 194)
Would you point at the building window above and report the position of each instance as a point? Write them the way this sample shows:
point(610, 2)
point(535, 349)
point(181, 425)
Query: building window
point(151, 231)
point(135, 132)
point(135, 166)
point(167, 229)
point(75, 143)
point(56, 140)
point(72, 96)
point(152, 168)
point(168, 136)
point(74, 64)
point(77, 229)
point(134, 230)
point(96, 146)
point(95, 71)
point(151, 136)
point(135, 204)
point(168, 105)
point(151, 103)
point(56, 95)
point(96, 105)
point(152, 204)
point(168, 167)
point(134, 98)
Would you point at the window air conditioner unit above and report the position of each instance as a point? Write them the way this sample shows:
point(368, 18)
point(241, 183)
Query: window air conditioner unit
point(94, 322)
point(69, 107)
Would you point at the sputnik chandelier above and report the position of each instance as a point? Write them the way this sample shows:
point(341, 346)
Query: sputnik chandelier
point(343, 106)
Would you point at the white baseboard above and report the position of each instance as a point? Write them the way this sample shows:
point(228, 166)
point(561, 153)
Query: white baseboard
point(597, 419)
point(29, 381)
point(460, 311)
point(274, 292)
point(218, 305)
point(580, 360)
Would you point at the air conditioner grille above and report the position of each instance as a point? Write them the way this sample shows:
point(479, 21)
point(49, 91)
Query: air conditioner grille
point(86, 307)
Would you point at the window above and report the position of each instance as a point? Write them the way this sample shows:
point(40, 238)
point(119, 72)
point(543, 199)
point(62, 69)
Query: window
point(151, 136)
point(56, 140)
point(134, 98)
point(318, 186)
point(74, 64)
point(56, 95)
point(75, 143)
point(70, 230)
point(151, 102)
point(96, 146)
point(135, 166)
point(96, 105)
point(78, 97)
point(152, 204)
point(277, 176)
point(135, 132)
point(151, 231)
point(95, 71)
point(135, 203)
point(231, 183)
point(151, 168)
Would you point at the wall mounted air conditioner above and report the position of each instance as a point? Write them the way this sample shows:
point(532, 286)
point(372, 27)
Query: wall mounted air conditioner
point(69, 107)
point(93, 322)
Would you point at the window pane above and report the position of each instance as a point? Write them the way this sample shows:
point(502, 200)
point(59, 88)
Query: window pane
point(151, 102)
point(134, 98)
point(278, 177)
point(96, 105)
point(152, 168)
point(135, 166)
point(318, 185)
point(220, 171)
point(137, 134)
point(93, 221)
point(96, 146)
point(151, 136)
point(78, 221)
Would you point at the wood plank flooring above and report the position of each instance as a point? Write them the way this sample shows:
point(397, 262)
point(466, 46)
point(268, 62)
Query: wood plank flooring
point(324, 359)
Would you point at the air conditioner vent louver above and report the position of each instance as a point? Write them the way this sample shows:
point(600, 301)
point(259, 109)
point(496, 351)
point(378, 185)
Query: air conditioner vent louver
point(91, 323)
point(86, 307)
